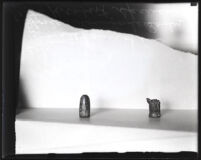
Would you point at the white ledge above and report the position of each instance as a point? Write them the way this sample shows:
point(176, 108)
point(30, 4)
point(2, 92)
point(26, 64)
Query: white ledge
point(107, 130)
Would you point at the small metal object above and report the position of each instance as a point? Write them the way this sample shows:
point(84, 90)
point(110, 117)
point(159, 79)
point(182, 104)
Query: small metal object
point(84, 109)
point(154, 108)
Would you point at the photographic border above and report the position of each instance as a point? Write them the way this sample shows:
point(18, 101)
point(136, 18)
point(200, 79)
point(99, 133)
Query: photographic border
point(9, 99)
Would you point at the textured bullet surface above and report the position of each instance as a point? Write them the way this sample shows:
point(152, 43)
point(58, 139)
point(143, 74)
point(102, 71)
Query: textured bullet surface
point(84, 110)
point(154, 108)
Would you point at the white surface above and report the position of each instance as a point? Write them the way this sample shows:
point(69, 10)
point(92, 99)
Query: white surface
point(59, 63)
point(177, 27)
point(61, 131)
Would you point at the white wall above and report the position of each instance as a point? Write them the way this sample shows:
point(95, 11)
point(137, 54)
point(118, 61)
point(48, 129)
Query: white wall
point(116, 70)
point(175, 24)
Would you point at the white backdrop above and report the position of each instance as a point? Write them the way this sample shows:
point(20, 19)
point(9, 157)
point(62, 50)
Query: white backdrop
point(59, 63)
point(175, 24)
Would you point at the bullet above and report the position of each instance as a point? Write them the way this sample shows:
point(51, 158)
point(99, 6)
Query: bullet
point(154, 108)
point(84, 109)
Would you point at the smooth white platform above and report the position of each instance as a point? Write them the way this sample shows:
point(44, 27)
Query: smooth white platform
point(107, 130)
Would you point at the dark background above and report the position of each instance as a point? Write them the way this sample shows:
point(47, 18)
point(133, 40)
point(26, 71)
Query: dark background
point(118, 16)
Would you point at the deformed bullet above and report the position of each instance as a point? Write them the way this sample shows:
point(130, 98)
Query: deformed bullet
point(154, 108)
